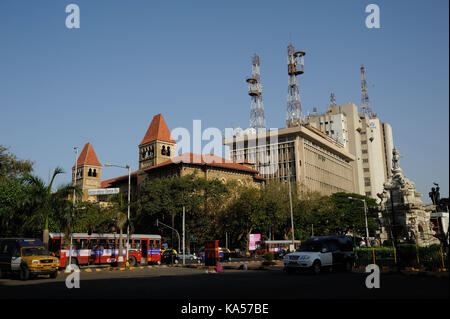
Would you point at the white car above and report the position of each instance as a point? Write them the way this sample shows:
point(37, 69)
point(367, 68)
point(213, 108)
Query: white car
point(188, 256)
point(321, 252)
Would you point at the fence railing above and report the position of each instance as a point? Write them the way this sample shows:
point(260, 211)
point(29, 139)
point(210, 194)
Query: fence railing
point(404, 255)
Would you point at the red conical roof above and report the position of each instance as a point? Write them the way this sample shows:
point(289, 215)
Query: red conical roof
point(88, 156)
point(157, 130)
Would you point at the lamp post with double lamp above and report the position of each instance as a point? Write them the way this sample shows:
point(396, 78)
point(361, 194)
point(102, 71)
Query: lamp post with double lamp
point(129, 193)
point(365, 217)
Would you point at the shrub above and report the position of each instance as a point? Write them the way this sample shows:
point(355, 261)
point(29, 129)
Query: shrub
point(268, 256)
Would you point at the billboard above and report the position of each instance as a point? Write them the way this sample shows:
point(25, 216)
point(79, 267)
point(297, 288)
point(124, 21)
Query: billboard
point(254, 238)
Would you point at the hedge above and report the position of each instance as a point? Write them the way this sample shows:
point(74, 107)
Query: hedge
point(407, 255)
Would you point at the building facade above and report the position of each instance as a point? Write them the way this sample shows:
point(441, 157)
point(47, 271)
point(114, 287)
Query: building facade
point(368, 139)
point(301, 154)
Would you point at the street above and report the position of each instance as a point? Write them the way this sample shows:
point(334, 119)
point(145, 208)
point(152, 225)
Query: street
point(183, 283)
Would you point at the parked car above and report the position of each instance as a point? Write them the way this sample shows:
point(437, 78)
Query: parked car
point(27, 258)
point(169, 256)
point(317, 253)
point(224, 254)
point(279, 254)
point(188, 256)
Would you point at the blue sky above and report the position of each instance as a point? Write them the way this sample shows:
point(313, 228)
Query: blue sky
point(131, 60)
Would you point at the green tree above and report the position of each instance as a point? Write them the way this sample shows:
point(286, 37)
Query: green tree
point(11, 167)
point(44, 204)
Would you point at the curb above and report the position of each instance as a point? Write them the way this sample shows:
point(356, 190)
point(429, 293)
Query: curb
point(407, 271)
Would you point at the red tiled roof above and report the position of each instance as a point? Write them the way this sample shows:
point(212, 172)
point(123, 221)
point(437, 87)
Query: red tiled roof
point(157, 130)
point(205, 159)
point(88, 156)
point(107, 183)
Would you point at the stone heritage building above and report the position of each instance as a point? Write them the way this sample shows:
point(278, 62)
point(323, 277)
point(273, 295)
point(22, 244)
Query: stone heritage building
point(301, 154)
point(158, 159)
point(403, 217)
point(87, 173)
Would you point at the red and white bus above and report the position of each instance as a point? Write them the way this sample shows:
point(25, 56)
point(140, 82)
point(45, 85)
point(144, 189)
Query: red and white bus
point(104, 248)
point(276, 246)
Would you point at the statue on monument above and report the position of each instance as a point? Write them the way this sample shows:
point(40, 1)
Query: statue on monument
point(395, 159)
point(435, 194)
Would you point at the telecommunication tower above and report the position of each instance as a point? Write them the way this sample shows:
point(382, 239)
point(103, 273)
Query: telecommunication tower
point(295, 67)
point(257, 117)
point(332, 99)
point(365, 105)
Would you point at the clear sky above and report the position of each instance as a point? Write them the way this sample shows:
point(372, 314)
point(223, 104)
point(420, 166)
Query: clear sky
point(130, 60)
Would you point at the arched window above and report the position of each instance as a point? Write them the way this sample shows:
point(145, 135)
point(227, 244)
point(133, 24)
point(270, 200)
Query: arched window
point(168, 151)
point(150, 153)
point(163, 150)
point(143, 154)
point(90, 172)
point(95, 172)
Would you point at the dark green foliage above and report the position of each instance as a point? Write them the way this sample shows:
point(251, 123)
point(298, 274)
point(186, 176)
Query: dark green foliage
point(408, 255)
point(268, 256)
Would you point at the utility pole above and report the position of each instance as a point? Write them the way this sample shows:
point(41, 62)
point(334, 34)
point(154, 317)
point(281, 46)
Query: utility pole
point(128, 210)
point(226, 239)
point(73, 202)
point(184, 243)
point(292, 215)
point(365, 217)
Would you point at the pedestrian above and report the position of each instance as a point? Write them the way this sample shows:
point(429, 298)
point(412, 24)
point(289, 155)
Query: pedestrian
point(219, 267)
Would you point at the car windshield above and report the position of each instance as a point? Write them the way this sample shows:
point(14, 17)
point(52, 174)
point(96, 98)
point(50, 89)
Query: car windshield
point(35, 251)
point(311, 246)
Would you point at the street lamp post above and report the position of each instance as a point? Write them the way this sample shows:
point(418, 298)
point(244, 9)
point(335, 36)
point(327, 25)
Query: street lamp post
point(290, 202)
point(365, 217)
point(129, 194)
point(178, 234)
point(73, 201)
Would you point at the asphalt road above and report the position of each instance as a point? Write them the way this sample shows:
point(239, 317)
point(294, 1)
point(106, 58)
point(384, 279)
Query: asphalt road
point(183, 283)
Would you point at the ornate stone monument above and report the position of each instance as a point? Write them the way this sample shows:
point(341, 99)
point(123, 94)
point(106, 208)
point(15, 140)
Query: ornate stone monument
point(403, 217)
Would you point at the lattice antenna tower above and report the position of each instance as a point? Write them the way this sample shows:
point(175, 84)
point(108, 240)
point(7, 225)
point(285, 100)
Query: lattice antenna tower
point(332, 99)
point(365, 105)
point(295, 64)
point(257, 117)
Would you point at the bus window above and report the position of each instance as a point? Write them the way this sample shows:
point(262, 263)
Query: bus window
point(110, 244)
point(103, 244)
point(157, 244)
point(55, 245)
point(76, 244)
point(137, 243)
point(93, 243)
point(84, 243)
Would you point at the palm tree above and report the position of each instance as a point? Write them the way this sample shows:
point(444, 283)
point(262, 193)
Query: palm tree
point(43, 202)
